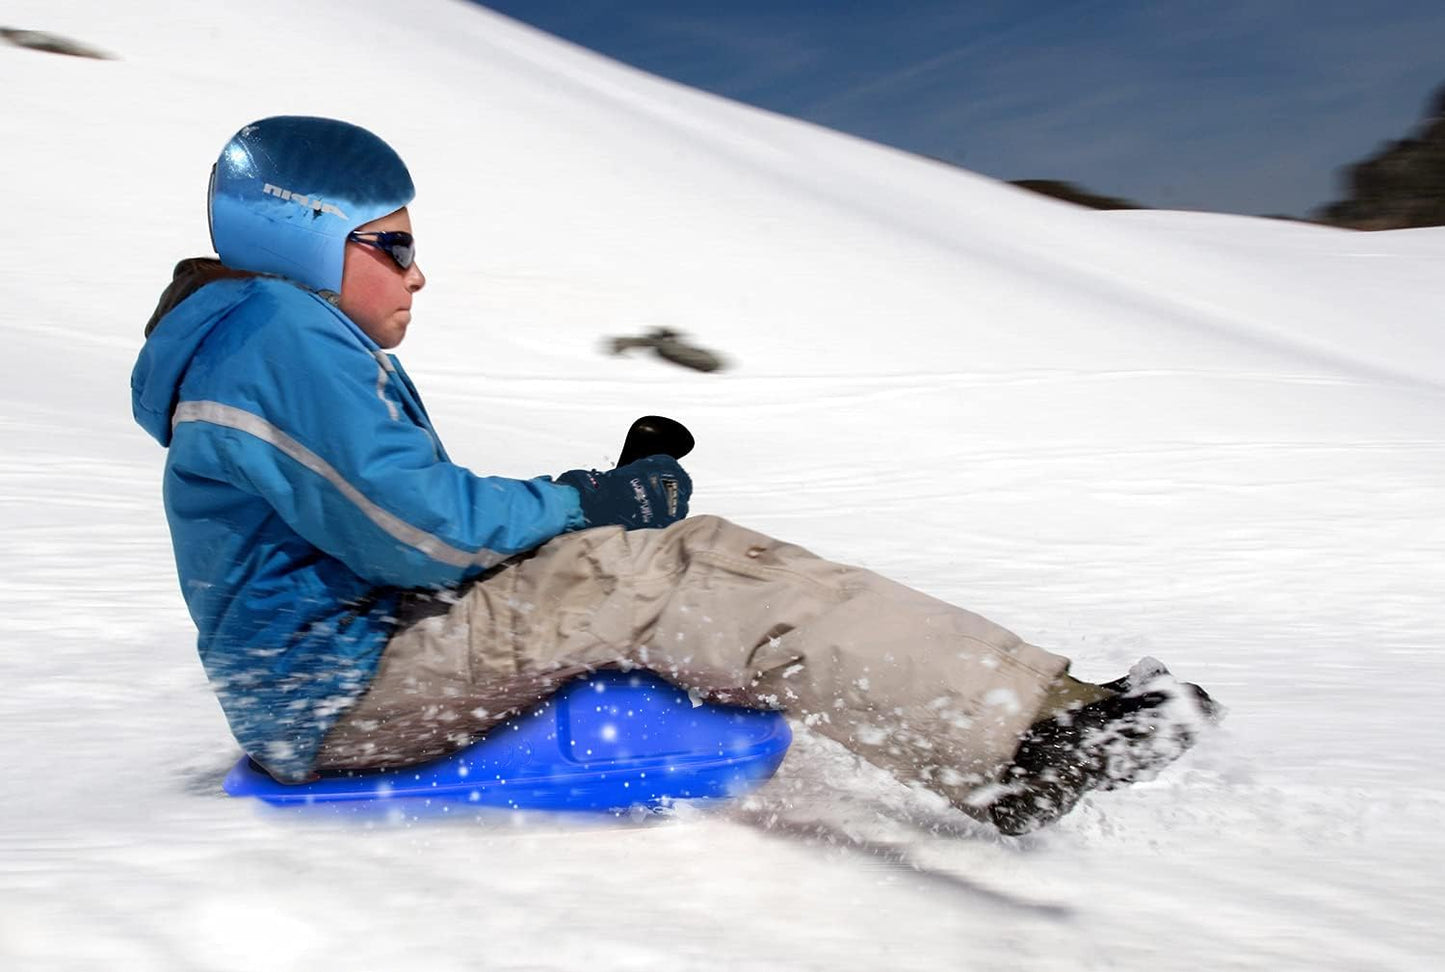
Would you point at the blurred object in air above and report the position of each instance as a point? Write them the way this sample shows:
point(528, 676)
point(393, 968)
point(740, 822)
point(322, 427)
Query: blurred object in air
point(41, 40)
point(671, 345)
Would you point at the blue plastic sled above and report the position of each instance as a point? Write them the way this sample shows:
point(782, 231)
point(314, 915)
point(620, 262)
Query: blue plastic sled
point(608, 741)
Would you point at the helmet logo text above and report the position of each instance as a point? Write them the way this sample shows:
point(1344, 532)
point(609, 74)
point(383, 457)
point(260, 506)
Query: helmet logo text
point(311, 202)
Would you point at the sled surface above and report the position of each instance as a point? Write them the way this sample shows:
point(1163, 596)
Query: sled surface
point(608, 741)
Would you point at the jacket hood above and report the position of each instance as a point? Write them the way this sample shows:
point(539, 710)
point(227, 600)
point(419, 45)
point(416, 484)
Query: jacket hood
point(188, 277)
point(200, 295)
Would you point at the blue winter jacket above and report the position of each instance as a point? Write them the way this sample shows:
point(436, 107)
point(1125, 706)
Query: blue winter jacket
point(306, 489)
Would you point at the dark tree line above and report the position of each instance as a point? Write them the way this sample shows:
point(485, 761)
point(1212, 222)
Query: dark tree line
point(1399, 187)
point(1402, 185)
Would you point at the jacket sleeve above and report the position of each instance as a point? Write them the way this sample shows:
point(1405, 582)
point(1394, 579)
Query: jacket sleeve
point(302, 420)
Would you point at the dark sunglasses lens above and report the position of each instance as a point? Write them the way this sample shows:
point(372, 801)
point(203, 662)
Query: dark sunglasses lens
point(398, 245)
point(403, 252)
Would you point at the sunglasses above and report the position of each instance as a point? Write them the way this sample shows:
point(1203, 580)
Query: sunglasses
point(397, 244)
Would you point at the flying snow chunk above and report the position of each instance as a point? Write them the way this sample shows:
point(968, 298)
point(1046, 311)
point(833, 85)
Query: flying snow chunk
point(1004, 699)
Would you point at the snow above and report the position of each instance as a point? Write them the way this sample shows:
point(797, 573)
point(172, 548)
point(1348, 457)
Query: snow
point(1215, 440)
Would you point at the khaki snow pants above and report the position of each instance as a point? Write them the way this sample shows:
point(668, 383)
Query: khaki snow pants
point(932, 693)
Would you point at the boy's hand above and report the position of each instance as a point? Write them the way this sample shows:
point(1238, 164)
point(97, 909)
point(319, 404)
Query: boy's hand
point(642, 495)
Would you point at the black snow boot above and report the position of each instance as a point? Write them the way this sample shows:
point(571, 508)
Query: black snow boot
point(1147, 721)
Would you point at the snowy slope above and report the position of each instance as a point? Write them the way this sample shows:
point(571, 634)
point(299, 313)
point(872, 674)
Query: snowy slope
point(1214, 439)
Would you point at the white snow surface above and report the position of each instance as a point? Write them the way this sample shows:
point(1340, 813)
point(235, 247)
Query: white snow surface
point(1217, 440)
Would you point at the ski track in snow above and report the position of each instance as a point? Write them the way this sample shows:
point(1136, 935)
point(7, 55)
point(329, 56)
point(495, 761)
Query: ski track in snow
point(1211, 439)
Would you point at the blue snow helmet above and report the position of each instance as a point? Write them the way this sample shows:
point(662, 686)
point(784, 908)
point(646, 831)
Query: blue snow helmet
point(287, 190)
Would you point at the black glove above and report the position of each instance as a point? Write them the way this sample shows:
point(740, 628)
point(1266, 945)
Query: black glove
point(641, 495)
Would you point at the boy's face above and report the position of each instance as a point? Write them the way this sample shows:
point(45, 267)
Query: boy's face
point(375, 292)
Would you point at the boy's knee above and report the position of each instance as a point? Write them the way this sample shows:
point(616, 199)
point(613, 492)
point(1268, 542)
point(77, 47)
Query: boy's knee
point(701, 523)
point(715, 532)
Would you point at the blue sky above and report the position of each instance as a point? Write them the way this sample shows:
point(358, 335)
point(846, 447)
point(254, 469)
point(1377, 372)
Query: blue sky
point(1234, 105)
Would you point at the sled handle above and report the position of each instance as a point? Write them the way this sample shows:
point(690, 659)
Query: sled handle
point(654, 435)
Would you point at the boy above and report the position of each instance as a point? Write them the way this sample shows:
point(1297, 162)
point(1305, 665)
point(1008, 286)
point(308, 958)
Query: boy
point(362, 601)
